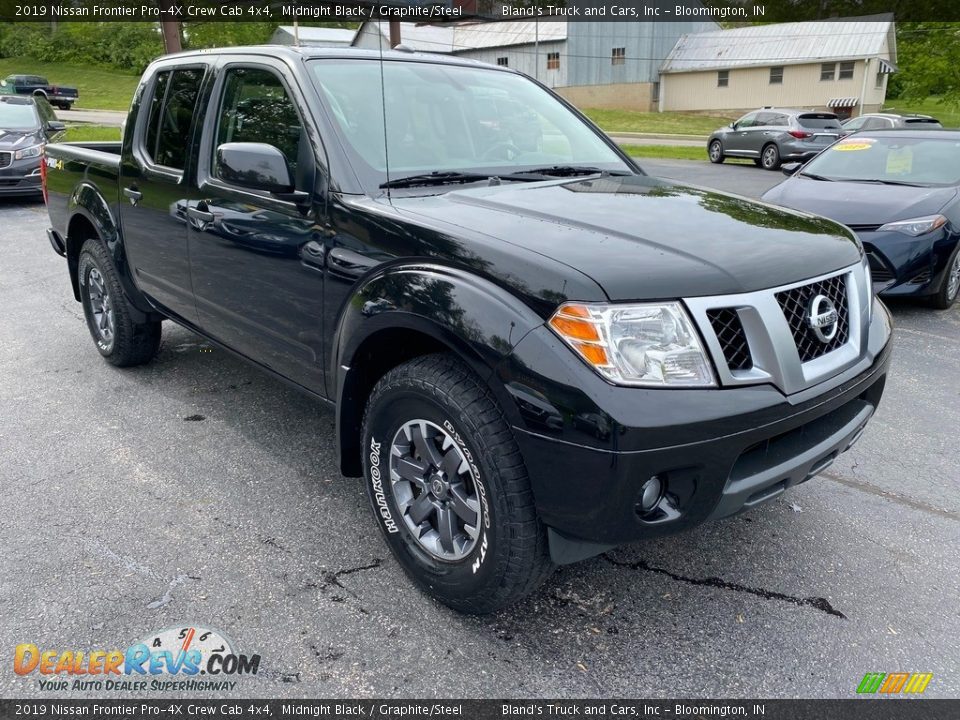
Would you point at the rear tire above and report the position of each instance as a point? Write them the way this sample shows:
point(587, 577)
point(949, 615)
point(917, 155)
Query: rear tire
point(949, 289)
point(715, 152)
point(439, 424)
point(770, 157)
point(119, 338)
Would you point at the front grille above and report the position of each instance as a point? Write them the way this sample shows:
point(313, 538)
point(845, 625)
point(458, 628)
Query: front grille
point(795, 304)
point(733, 340)
point(863, 228)
point(5, 159)
point(880, 271)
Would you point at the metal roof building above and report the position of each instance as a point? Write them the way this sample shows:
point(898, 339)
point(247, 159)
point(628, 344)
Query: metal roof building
point(818, 64)
point(313, 36)
point(591, 63)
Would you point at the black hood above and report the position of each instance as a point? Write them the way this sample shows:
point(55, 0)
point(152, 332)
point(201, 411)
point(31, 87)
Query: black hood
point(19, 139)
point(646, 238)
point(860, 203)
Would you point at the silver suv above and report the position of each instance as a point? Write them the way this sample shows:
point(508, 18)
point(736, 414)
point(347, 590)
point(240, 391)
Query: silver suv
point(774, 135)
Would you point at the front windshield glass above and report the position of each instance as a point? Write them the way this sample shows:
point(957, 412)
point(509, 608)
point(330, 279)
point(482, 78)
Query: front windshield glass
point(916, 161)
point(452, 119)
point(18, 115)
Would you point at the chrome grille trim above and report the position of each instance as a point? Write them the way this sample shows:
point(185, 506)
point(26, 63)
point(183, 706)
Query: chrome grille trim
point(773, 347)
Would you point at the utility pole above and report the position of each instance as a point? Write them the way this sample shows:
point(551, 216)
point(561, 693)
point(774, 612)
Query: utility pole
point(394, 33)
point(171, 30)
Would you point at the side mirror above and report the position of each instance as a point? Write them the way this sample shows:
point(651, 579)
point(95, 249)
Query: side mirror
point(733, 126)
point(790, 168)
point(256, 166)
point(56, 126)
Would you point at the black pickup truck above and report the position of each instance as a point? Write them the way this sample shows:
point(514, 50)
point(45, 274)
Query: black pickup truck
point(535, 351)
point(60, 96)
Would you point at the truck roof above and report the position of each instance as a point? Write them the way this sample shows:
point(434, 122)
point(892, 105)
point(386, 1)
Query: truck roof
point(309, 53)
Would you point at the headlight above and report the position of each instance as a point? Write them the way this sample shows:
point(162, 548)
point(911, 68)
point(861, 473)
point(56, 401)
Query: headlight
point(916, 226)
point(653, 344)
point(29, 152)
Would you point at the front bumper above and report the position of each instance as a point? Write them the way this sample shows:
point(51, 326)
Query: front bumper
point(718, 451)
point(909, 266)
point(21, 177)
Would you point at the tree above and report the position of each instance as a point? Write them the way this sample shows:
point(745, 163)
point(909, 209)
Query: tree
point(928, 55)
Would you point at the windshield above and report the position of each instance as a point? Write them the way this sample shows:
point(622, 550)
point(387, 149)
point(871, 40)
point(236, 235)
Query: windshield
point(919, 161)
point(449, 118)
point(19, 115)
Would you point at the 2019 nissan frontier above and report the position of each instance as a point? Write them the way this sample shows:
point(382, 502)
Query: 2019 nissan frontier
point(535, 351)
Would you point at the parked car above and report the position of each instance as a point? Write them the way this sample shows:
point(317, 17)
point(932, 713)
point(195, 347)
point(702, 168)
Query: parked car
point(60, 96)
point(774, 135)
point(899, 190)
point(26, 125)
point(887, 121)
point(533, 355)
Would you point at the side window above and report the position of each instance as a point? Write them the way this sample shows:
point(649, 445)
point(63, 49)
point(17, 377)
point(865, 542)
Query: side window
point(876, 123)
point(172, 108)
point(747, 121)
point(765, 118)
point(856, 124)
point(255, 107)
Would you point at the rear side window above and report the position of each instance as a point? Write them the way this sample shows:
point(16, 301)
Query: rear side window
point(171, 111)
point(819, 121)
point(256, 108)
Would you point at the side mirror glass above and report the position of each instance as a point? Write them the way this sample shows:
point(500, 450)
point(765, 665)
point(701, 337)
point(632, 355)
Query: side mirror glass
point(790, 168)
point(256, 166)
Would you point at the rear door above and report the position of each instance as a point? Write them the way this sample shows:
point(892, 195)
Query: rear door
point(258, 260)
point(155, 187)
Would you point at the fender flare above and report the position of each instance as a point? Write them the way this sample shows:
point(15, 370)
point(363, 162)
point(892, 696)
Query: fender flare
point(87, 201)
point(461, 312)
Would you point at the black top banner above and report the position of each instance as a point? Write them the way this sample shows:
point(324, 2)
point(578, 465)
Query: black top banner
point(338, 11)
point(888, 709)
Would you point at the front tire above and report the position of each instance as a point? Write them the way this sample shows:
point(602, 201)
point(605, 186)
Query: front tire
point(449, 488)
point(770, 157)
point(715, 152)
point(119, 338)
point(946, 296)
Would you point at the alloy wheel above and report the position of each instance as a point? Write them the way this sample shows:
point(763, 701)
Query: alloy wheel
point(953, 279)
point(770, 157)
point(435, 490)
point(715, 151)
point(101, 305)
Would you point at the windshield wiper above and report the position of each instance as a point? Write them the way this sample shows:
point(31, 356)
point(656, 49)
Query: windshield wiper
point(813, 176)
point(874, 181)
point(559, 171)
point(435, 178)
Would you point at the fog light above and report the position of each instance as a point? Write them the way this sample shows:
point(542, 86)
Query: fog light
point(650, 494)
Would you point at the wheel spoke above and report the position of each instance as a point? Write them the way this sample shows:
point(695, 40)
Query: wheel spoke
point(446, 527)
point(411, 470)
point(421, 508)
point(451, 463)
point(426, 446)
point(464, 505)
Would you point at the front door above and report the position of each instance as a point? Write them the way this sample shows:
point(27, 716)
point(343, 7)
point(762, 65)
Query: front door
point(257, 260)
point(736, 141)
point(154, 191)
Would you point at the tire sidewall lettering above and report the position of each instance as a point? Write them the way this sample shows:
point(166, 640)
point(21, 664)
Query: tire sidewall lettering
point(376, 483)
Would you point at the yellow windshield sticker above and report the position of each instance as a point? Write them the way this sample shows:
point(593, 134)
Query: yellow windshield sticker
point(851, 145)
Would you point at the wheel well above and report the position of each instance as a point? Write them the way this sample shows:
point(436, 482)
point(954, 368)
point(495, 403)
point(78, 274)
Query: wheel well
point(39, 93)
point(78, 231)
point(376, 356)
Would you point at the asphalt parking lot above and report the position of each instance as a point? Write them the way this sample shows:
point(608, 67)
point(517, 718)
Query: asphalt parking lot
point(196, 490)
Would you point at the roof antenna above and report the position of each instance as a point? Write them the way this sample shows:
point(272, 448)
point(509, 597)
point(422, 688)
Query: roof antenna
point(383, 101)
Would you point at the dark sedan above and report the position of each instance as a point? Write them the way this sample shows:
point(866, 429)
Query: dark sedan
point(899, 190)
point(26, 125)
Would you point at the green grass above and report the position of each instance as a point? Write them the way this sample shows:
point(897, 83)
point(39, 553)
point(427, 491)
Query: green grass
point(667, 122)
point(100, 88)
point(87, 132)
point(947, 115)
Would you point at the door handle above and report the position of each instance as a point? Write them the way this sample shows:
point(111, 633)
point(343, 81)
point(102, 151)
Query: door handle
point(204, 216)
point(133, 194)
point(349, 263)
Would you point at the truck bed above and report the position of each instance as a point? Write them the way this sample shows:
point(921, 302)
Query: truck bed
point(71, 165)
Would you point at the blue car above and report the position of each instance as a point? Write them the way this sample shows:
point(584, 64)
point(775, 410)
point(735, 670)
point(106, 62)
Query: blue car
point(899, 190)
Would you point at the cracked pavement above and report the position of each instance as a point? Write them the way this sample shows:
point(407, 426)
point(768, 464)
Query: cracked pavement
point(197, 490)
